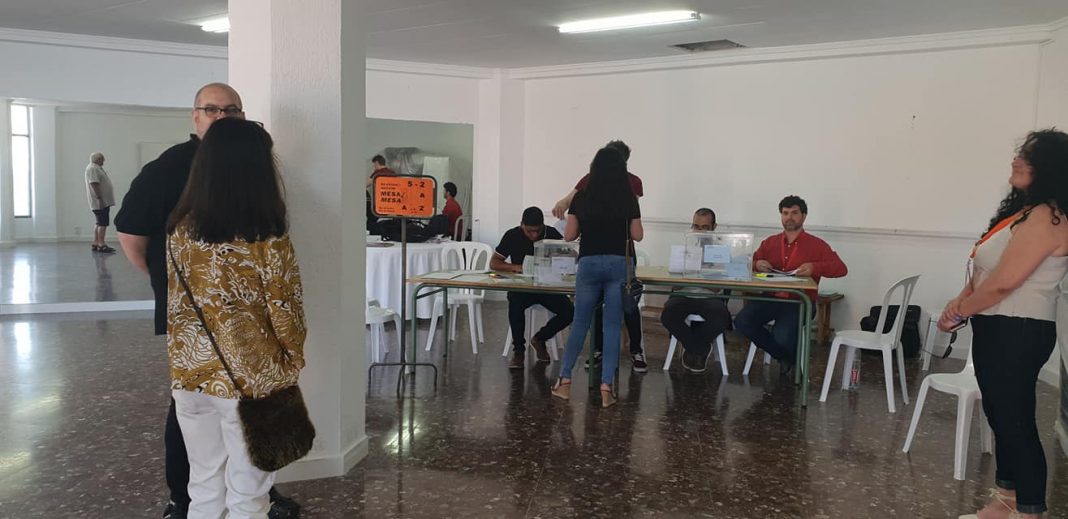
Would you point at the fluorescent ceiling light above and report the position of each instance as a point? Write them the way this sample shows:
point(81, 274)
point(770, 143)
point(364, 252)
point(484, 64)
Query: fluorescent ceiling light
point(216, 25)
point(629, 21)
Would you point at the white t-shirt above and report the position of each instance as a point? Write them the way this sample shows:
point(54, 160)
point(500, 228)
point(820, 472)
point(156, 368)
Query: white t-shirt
point(96, 173)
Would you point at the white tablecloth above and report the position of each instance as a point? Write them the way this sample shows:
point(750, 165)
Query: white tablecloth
point(384, 273)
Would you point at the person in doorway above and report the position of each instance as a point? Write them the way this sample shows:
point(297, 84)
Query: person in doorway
point(101, 199)
point(697, 337)
point(141, 224)
point(632, 319)
point(515, 246)
point(452, 209)
point(607, 217)
point(1011, 298)
point(231, 265)
point(797, 252)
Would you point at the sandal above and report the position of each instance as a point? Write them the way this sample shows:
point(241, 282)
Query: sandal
point(562, 389)
point(608, 398)
point(1006, 501)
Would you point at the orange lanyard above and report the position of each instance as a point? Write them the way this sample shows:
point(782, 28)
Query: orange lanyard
point(994, 230)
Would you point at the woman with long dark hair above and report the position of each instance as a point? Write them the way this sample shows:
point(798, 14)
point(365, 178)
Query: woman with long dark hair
point(607, 217)
point(228, 243)
point(1011, 298)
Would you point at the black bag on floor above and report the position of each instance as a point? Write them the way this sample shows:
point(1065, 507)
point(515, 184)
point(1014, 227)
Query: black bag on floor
point(910, 334)
point(391, 231)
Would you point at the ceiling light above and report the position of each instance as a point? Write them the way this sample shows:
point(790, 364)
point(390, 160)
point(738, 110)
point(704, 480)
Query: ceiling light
point(216, 25)
point(629, 21)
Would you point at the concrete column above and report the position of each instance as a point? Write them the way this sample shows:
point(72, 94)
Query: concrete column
point(299, 67)
point(7, 194)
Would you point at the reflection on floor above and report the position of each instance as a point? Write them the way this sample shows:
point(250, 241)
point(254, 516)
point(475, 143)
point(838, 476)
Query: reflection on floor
point(67, 272)
point(82, 401)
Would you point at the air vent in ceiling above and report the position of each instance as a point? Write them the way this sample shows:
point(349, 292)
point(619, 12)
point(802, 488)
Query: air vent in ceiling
point(706, 46)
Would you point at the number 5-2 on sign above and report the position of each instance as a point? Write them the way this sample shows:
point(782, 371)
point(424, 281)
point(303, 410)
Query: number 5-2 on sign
point(404, 196)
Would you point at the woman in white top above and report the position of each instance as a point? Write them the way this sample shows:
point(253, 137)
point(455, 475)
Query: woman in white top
point(1011, 300)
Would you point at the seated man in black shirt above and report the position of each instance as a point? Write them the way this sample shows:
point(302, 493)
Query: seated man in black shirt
point(518, 243)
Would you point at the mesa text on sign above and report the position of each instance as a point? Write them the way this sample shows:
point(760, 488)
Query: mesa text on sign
point(405, 196)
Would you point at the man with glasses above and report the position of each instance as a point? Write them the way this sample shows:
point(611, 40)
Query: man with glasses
point(141, 224)
point(697, 337)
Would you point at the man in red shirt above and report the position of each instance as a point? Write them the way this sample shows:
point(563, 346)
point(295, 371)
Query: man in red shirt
point(452, 208)
point(378, 163)
point(801, 254)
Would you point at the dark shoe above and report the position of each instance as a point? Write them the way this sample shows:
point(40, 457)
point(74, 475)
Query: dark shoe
point(176, 511)
point(519, 360)
point(541, 350)
point(97, 249)
point(637, 363)
point(597, 356)
point(694, 362)
point(105, 249)
point(282, 507)
point(786, 369)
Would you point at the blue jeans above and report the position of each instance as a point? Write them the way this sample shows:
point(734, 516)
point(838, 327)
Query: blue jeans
point(597, 277)
point(781, 341)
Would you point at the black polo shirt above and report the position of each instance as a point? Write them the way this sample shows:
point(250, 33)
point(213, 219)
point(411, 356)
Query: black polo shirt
point(145, 209)
point(515, 246)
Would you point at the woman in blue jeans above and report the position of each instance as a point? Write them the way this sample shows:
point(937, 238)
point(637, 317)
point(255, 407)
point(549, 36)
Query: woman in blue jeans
point(607, 217)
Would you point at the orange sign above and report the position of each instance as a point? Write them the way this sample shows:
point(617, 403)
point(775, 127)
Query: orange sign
point(404, 196)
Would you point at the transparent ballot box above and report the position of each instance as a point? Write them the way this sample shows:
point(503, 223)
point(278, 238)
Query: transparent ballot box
point(555, 262)
point(718, 255)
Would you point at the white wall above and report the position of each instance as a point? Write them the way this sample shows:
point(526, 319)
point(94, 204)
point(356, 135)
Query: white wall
point(120, 137)
point(916, 141)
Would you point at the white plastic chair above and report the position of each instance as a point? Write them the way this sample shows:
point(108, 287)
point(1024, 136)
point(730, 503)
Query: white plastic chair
point(459, 231)
point(749, 358)
point(934, 338)
point(966, 388)
point(534, 312)
point(376, 318)
point(468, 255)
point(884, 342)
point(718, 351)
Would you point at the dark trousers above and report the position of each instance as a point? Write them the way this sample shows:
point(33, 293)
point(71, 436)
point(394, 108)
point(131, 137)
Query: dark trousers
point(781, 341)
point(1009, 353)
point(518, 302)
point(696, 338)
point(176, 459)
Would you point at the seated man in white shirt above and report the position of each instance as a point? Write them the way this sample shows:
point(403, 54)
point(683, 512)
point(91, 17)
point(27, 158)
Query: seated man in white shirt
point(517, 244)
point(697, 338)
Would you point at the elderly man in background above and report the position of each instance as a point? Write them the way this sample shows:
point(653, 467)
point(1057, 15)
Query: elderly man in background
point(101, 199)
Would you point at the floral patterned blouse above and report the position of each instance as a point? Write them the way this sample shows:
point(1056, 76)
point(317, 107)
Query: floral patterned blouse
point(250, 294)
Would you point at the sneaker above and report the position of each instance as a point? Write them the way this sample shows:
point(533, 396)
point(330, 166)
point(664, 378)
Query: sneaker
point(519, 360)
point(597, 357)
point(175, 511)
point(637, 363)
point(540, 349)
point(693, 362)
point(282, 507)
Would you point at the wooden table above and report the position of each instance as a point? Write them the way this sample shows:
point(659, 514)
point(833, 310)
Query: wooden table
point(755, 289)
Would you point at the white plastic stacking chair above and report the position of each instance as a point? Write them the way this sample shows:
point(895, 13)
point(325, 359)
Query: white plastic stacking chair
point(877, 340)
point(535, 314)
point(934, 338)
point(966, 388)
point(376, 318)
point(459, 231)
point(468, 255)
point(718, 351)
point(749, 358)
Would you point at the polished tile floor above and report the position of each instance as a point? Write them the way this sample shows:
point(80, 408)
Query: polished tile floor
point(67, 272)
point(83, 400)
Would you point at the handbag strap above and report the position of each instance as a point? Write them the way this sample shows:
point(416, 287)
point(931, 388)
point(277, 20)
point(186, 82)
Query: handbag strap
point(626, 256)
point(203, 321)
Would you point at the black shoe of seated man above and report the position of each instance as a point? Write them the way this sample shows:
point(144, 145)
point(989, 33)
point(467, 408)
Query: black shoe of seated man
point(540, 349)
point(694, 362)
point(637, 362)
point(282, 507)
point(519, 360)
point(786, 369)
point(176, 511)
point(597, 358)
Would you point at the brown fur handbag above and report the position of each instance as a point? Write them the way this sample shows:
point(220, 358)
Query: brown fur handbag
point(277, 428)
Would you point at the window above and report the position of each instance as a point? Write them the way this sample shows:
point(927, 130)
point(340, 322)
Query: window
point(21, 161)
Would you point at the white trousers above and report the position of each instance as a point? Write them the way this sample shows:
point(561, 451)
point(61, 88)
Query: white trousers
point(221, 476)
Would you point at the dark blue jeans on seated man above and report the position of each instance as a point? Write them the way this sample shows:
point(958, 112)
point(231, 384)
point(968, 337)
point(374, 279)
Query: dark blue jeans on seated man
point(781, 341)
point(518, 302)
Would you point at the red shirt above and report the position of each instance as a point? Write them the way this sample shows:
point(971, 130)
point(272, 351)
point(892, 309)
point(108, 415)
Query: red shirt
point(453, 211)
point(384, 172)
point(805, 249)
point(635, 184)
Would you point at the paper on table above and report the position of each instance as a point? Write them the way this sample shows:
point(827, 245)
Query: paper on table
point(776, 277)
point(444, 274)
point(717, 254)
